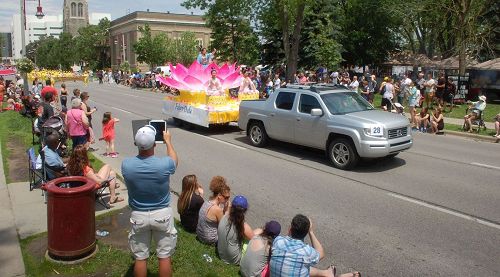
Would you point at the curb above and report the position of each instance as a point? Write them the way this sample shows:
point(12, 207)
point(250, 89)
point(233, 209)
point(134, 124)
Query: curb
point(472, 136)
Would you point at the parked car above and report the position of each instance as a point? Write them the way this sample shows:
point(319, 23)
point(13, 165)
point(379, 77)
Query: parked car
point(327, 117)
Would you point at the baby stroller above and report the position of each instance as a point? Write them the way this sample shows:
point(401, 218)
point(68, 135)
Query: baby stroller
point(397, 108)
point(55, 124)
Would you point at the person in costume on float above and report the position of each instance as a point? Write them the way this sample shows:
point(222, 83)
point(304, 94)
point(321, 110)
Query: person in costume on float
point(205, 58)
point(247, 85)
point(214, 85)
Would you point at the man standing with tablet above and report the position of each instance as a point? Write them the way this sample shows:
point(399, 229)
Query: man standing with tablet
point(148, 182)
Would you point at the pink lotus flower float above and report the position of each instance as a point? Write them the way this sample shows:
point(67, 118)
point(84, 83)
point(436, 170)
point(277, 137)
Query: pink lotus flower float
point(197, 78)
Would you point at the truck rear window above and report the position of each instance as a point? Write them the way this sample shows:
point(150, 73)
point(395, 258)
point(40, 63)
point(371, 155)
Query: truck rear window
point(284, 100)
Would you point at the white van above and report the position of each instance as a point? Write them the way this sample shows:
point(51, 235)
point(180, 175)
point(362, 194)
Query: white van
point(165, 69)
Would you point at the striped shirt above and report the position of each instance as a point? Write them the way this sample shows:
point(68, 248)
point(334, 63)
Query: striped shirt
point(292, 258)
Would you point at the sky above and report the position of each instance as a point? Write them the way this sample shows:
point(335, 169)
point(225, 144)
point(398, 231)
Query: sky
point(117, 8)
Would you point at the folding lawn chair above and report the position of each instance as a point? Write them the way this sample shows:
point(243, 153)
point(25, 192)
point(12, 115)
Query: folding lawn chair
point(36, 175)
point(100, 193)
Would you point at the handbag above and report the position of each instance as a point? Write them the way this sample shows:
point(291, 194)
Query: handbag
point(265, 272)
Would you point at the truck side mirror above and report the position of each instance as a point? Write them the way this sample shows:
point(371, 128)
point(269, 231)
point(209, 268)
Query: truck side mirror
point(316, 112)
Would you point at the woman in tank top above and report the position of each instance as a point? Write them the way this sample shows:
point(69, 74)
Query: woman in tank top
point(211, 211)
point(190, 202)
point(64, 95)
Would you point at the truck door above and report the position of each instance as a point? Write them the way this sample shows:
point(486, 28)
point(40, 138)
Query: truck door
point(281, 118)
point(309, 130)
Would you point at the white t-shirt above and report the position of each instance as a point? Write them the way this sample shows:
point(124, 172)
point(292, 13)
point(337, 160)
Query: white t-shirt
point(430, 85)
point(389, 90)
point(277, 83)
point(354, 85)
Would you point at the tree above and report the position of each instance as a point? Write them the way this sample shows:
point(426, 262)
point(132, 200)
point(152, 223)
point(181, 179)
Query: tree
point(232, 34)
point(31, 50)
point(368, 31)
point(185, 48)
point(151, 49)
point(321, 37)
point(291, 15)
point(92, 45)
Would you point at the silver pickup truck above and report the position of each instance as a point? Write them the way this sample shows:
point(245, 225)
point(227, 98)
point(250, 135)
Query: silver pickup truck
point(331, 118)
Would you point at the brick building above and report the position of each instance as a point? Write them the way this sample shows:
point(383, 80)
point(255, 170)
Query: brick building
point(124, 32)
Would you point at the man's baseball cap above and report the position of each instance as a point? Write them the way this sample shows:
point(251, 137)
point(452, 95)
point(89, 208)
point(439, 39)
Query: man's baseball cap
point(240, 201)
point(145, 137)
point(482, 98)
point(272, 228)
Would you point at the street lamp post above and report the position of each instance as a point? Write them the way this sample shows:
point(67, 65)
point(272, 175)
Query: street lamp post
point(39, 14)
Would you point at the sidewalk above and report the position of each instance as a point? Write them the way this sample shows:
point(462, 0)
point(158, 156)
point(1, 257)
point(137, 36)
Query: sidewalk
point(11, 258)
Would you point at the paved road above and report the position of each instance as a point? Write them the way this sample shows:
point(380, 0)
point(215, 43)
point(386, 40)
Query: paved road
point(433, 210)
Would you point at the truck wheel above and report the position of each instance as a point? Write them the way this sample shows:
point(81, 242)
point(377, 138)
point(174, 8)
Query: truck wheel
point(342, 154)
point(257, 134)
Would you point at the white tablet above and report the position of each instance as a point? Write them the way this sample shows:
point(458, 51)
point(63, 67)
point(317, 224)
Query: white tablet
point(160, 126)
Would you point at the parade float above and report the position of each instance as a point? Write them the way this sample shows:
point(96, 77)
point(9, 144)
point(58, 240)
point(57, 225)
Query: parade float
point(204, 97)
point(57, 76)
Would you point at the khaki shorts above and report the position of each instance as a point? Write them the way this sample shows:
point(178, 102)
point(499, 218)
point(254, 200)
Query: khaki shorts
point(157, 225)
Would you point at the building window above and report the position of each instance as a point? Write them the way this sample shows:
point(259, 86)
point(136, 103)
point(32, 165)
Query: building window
point(73, 9)
point(200, 43)
point(80, 10)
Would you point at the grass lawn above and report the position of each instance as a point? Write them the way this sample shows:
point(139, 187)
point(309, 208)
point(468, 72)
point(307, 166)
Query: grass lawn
point(111, 261)
point(488, 114)
point(14, 126)
point(458, 128)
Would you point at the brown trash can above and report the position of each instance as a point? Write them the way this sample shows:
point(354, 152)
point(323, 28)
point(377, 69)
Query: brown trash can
point(70, 217)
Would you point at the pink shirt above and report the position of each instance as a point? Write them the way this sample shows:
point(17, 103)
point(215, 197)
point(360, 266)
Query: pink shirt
point(75, 124)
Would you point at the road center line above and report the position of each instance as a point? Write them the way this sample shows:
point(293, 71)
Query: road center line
point(122, 110)
point(485, 165)
point(445, 210)
point(221, 141)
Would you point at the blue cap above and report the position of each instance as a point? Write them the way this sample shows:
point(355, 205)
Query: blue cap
point(240, 201)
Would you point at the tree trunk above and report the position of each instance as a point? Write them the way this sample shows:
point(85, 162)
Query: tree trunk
point(283, 11)
point(294, 51)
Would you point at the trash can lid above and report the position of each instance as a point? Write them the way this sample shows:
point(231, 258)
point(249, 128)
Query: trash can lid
point(70, 185)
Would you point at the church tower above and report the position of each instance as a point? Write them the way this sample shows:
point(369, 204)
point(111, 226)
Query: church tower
point(75, 15)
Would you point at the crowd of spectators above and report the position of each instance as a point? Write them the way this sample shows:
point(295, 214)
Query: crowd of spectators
point(218, 221)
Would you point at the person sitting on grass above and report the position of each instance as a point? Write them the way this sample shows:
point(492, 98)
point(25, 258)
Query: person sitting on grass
point(233, 231)
point(255, 262)
point(291, 256)
point(475, 108)
point(79, 165)
point(190, 202)
point(437, 121)
point(422, 119)
point(211, 211)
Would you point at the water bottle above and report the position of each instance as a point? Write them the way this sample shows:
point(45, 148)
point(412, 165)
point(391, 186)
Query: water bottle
point(207, 258)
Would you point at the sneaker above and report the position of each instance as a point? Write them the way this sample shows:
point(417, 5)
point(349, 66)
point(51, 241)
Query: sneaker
point(105, 154)
point(425, 130)
point(93, 149)
point(113, 155)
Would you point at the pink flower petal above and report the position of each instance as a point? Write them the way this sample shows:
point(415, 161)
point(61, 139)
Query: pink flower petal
point(194, 82)
point(231, 79)
point(195, 69)
point(174, 83)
